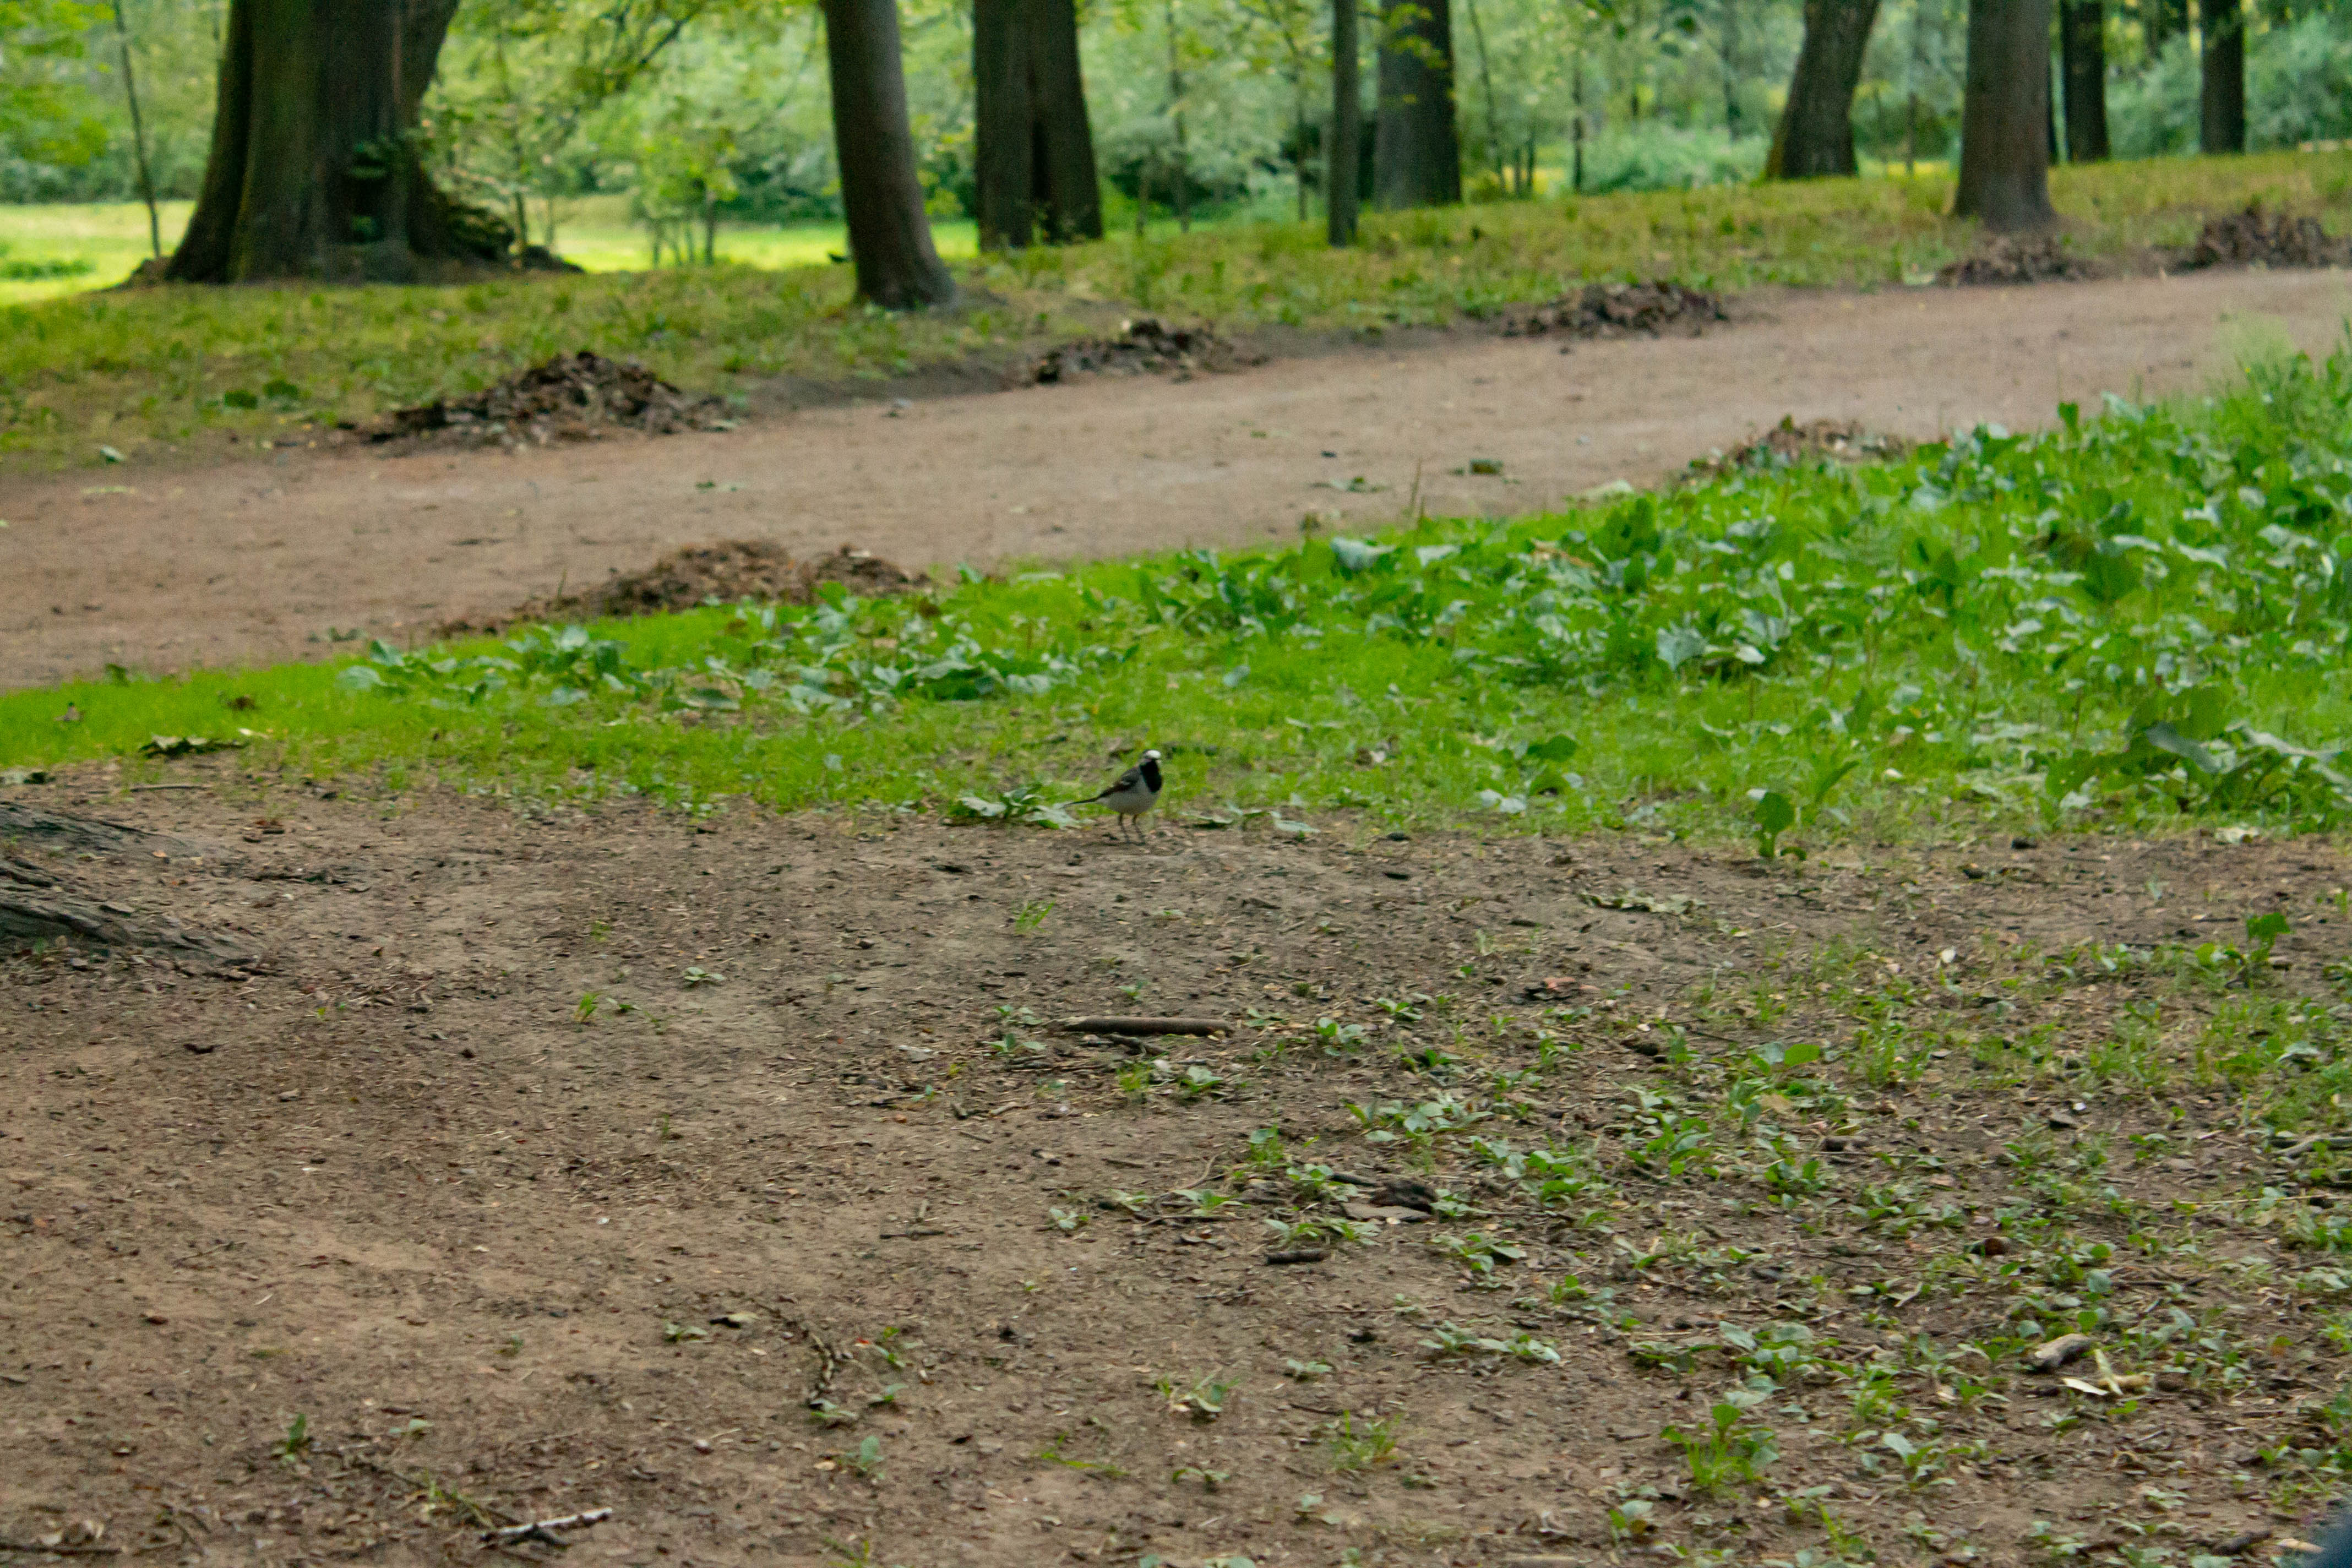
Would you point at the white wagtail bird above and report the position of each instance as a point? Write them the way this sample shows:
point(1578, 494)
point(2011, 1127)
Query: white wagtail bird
point(1132, 795)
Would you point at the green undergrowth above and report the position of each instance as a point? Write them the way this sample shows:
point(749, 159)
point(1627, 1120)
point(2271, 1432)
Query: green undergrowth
point(156, 371)
point(2137, 619)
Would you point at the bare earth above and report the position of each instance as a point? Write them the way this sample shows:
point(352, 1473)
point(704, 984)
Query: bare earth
point(161, 570)
point(794, 1246)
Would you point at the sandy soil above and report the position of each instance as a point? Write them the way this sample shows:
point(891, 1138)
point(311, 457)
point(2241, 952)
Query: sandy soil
point(781, 1195)
point(249, 562)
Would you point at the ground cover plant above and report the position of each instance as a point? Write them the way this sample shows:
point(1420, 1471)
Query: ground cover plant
point(146, 372)
point(2135, 618)
point(1549, 1196)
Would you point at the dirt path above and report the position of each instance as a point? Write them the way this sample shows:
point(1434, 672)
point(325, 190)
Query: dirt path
point(161, 570)
point(794, 1241)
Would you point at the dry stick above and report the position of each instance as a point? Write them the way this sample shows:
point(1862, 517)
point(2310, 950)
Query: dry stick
point(545, 1529)
point(61, 1550)
point(1145, 1026)
point(139, 135)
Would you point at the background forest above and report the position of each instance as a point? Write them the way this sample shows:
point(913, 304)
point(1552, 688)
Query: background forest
point(687, 117)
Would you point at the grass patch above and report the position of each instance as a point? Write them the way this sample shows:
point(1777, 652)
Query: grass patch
point(153, 370)
point(2133, 619)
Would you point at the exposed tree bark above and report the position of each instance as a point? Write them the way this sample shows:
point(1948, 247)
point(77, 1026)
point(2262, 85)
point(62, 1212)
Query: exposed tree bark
point(2222, 118)
point(313, 171)
point(2083, 46)
point(1347, 126)
point(1035, 151)
point(881, 194)
point(1416, 151)
point(1815, 136)
point(2005, 117)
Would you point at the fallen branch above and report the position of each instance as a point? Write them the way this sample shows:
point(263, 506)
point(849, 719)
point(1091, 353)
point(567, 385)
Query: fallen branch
point(545, 1529)
point(1145, 1026)
point(61, 1550)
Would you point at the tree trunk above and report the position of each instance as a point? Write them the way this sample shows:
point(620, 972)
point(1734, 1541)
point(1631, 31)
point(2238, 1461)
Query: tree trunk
point(313, 171)
point(1035, 151)
point(1816, 131)
point(2005, 117)
point(2222, 119)
point(1416, 152)
point(1347, 126)
point(881, 195)
point(2163, 21)
point(1486, 84)
point(1728, 49)
point(2082, 45)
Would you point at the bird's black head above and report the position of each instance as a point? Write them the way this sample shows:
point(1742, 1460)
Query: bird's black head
point(1151, 770)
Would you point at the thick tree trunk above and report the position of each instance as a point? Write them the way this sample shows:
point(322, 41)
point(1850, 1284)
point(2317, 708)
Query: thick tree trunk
point(2005, 117)
point(881, 194)
point(1816, 131)
point(1416, 152)
point(2222, 118)
point(1347, 125)
point(1035, 151)
point(313, 171)
point(2082, 44)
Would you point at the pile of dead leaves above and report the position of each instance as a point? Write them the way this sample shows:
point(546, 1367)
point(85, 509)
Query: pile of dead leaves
point(725, 573)
point(1620, 310)
point(2017, 258)
point(571, 397)
point(1143, 346)
point(2254, 237)
point(1789, 445)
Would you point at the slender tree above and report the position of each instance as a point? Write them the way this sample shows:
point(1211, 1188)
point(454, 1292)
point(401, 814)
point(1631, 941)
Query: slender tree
point(2083, 46)
point(2221, 119)
point(1728, 56)
point(2005, 117)
point(881, 195)
point(1416, 151)
point(1347, 126)
point(1182, 190)
point(1815, 136)
point(2162, 21)
point(314, 170)
point(1034, 148)
point(139, 135)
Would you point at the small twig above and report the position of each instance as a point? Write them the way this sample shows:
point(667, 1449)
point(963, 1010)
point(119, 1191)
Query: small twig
point(1145, 1026)
point(61, 1550)
point(144, 789)
point(545, 1529)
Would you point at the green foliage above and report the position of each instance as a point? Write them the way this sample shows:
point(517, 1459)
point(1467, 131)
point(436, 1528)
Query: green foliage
point(1919, 638)
point(1729, 1450)
point(70, 368)
point(46, 116)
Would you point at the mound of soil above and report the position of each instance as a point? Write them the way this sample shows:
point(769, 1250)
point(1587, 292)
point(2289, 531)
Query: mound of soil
point(1144, 346)
point(2270, 239)
point(2017, 258)
point(1620, 310)
point(1789, 444)
point(727, 572)
point(571, 397)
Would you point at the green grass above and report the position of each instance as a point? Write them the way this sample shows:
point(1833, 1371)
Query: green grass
point(145, 373)
point(2135, 620)
point(108, 239)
